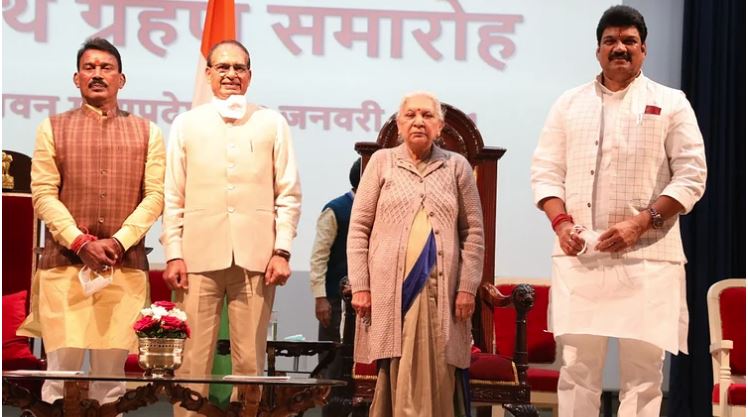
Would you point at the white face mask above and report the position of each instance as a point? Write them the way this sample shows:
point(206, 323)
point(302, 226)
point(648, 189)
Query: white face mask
point(93, 282)
point(233, 107)
point(590, 238)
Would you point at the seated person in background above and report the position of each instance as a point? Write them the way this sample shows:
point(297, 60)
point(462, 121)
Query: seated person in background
point(329, 265)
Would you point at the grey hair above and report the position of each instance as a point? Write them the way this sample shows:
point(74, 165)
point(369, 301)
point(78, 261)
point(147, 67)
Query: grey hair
point(432, 96)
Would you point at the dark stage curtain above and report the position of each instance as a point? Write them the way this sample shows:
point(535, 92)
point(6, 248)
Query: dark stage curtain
point(713, 78)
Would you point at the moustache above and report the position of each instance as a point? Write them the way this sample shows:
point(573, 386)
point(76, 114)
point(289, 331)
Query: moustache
point(619, 55)
point(96, 82)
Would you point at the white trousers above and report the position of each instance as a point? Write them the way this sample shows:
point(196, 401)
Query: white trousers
point(580, 380)
point(101, 361)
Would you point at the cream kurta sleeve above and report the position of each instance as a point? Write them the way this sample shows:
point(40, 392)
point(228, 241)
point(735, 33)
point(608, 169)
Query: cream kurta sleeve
point(327, 229)
point(45, 188)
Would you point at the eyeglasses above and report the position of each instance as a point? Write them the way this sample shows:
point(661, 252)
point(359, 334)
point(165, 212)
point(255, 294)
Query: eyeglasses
point(224, 69)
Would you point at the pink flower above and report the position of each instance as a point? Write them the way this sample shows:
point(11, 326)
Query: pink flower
point(167, 305)
point(145, 323)
point(171, 323)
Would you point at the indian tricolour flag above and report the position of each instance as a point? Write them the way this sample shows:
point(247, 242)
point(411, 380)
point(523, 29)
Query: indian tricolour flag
point(220, 25)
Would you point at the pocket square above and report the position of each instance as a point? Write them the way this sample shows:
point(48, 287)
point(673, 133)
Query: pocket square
point(652, 110)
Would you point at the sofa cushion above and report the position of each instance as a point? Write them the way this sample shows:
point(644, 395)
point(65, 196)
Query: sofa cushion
point(732, 312)
point(364, 370)
point(545, 380)
point(735, 394)
point(491, 367)
point(14, 312)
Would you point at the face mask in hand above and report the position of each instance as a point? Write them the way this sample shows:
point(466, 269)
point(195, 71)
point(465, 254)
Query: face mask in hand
point(590, 238)
point(92, 282)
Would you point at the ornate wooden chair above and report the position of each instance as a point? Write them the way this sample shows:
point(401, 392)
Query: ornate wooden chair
point(726, 307)
point(543, 354)
point(494, 379)
point(20, 240)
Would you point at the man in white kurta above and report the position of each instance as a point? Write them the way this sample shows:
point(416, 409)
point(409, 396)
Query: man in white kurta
point(622, 157)
point(232, 203)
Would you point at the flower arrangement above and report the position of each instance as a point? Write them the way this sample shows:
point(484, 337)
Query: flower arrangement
point(162, 320)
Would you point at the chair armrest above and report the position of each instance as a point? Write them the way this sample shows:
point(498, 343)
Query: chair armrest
point(720, 351)
point(720, 345)
point(492, 297)
point(522, 300)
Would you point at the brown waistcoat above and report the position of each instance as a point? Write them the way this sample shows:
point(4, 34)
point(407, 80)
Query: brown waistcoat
point(101, 162)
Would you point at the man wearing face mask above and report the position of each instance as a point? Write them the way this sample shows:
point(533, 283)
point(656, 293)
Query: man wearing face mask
point(621, 156)
point(97, 183)
point(232, 204)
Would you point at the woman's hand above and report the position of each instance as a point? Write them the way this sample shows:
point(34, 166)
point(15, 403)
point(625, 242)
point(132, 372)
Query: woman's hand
point(464, 306)
point(361, 303)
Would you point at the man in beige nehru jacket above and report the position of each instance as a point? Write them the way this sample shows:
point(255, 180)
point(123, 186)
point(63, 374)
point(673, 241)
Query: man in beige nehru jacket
point(232, 203)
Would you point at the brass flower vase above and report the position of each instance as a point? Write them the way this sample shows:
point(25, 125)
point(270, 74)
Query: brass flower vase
point(159, 357)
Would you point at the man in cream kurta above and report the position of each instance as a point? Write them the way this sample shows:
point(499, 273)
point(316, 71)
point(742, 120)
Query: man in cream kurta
point(232, 203)
point(622, 157)
point(97, 205)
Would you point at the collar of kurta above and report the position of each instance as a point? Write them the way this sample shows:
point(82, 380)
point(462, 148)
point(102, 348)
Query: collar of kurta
point(97, 112)
point(601, 88)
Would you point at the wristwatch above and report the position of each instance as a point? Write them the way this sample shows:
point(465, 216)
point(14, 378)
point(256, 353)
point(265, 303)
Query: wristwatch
point(657, 221)
point(283, 254)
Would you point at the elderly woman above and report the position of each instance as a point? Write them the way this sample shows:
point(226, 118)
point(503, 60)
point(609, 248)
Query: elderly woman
point(415, 257)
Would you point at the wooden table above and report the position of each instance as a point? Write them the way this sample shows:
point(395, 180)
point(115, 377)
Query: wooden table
point(280, 398)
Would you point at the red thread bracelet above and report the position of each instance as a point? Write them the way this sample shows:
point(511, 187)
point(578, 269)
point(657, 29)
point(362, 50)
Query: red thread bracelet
point(560, 218)
point(80, 241)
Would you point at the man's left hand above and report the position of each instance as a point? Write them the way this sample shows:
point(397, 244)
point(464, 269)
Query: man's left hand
point(113, 247)
point(278, 271)
point(620, 236)
point(464, 305)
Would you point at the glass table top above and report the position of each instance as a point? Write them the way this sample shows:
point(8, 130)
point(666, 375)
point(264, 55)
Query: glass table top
point(140, 377)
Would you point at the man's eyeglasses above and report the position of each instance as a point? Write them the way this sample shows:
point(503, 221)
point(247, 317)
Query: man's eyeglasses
point(224, 69)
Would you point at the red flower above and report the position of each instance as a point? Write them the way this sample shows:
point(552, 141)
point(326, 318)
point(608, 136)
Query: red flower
point(168, 305)
point(144, 324)
point(171, 323)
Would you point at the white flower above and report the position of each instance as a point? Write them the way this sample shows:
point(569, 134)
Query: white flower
point(146, 312)
point(158, 312)
point(177, 313)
